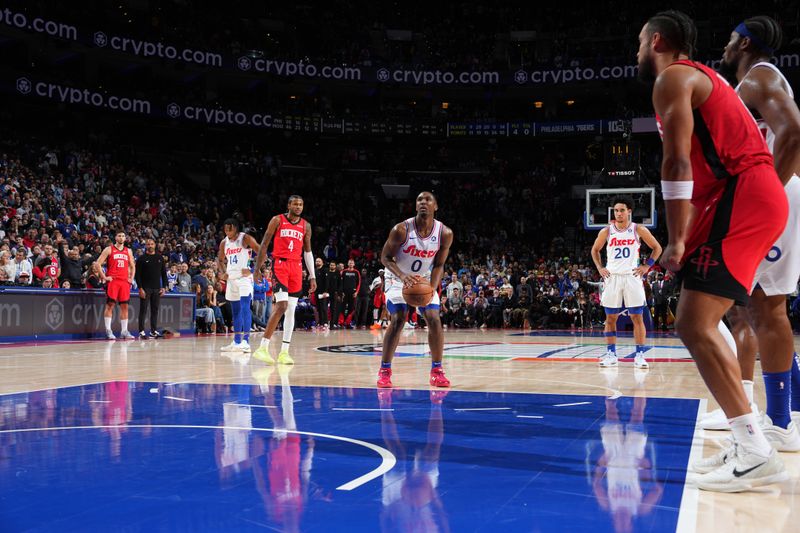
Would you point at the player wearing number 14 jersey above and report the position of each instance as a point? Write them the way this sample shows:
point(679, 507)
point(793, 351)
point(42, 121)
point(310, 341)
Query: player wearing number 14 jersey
point(623, 277)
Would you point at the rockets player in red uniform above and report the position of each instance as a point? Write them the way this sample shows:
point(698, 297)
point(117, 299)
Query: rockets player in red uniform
point(290, 247)
point(119, 276)
point(716, 173)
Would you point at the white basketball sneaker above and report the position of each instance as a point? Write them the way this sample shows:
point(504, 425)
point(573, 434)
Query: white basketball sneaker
point(744, 471)
point(232, 347)
point(243, 346)
point(639, 361)
point(716, 420)
point(608, 360)
point(712, 462)
point(783, 440)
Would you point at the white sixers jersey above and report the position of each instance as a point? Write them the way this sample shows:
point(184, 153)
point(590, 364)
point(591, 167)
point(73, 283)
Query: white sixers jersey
point(416, 254)
point(237, 256)
point(622, 249)
point(766, 131)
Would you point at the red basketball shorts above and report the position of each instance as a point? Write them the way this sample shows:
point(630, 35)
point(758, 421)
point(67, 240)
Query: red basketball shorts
point(733, 232)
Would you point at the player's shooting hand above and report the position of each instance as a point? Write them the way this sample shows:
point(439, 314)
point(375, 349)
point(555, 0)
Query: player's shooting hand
point(671, 258)
point(410, 280)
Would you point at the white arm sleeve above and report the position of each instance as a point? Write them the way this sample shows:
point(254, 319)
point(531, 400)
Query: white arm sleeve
point(308, 257)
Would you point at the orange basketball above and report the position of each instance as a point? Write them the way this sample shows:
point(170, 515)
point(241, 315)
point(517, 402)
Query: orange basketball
point(419, 294)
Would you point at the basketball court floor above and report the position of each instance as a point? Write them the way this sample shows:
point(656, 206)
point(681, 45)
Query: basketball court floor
point(532, 436)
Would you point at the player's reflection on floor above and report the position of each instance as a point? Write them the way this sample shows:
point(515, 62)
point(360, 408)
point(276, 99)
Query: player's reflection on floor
point(624, 476)
point(282, 477)
point(410, 490)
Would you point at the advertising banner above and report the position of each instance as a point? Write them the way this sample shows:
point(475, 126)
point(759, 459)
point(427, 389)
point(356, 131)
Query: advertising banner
point(30, 314)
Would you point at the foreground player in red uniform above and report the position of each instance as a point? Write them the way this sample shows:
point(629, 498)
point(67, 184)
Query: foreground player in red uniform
point(119, 276)
point(290, 247)
point(717, 172)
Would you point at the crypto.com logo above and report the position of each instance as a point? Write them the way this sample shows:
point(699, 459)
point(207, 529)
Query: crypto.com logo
point(24, 85)
point(54, 314)
point(100, 39)
point(174, 110)
point(383, 74)
point(244, 63)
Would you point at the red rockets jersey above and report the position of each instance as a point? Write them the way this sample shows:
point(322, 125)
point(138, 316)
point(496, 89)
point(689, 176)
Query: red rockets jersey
point(118, 262)
point(288, 240)
point(726, 140)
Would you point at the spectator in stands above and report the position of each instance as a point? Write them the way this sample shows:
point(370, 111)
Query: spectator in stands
point(184, 280)
point(94, 279)
point(9, 270)
point(178, 256)
point(454, 284)
point(203, 309)
point(72, 265)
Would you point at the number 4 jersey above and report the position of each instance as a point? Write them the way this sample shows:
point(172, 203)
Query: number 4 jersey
point(288, 240)
point(622, 249)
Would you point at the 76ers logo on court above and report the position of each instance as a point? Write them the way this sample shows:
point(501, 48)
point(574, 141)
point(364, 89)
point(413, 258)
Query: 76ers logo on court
point(704, 261)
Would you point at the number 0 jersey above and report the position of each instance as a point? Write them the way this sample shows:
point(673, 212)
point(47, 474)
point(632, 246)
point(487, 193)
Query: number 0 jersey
point(237, 256)
point(622, 249)
point(288, 240)
point(416, 254)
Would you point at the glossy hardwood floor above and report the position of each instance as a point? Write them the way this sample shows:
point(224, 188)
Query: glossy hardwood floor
point(484, 361)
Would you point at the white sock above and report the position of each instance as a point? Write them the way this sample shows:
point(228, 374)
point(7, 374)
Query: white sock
point(124, 324)
point(107, 320)
point(265, 341)
point(747, 433)
point(748, 390)
point(375, 315)
point(288, 322)
point(284, 346)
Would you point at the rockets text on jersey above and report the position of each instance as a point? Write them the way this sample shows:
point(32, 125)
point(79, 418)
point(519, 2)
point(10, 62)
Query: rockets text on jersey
point(118, 263)
point(622, 249)
point(288, 240)
point(416, 254)
point(236, 255)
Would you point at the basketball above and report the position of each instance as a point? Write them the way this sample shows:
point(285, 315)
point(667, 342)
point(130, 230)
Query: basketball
point(418, 295)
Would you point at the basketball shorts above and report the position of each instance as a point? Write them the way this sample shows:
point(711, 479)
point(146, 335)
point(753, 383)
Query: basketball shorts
point(733, 232)
point(238, 287)
point(288, 276)
point(118, 291)
point(622, 291)
point(395, 301)
point(778, 272)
